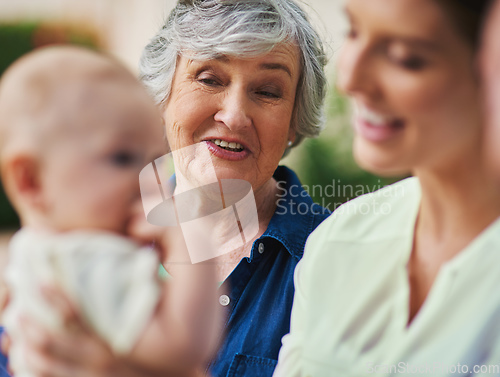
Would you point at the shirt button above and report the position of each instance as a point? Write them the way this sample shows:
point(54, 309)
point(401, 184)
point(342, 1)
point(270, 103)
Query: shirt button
point(224, 300)
point(261, 248)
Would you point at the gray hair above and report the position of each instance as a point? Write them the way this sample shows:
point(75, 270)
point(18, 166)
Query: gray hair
point(240, 28)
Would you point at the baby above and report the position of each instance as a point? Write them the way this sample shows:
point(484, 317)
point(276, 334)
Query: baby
point(76, 129)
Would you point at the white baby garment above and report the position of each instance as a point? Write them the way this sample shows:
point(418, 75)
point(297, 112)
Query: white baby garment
point(112, 282)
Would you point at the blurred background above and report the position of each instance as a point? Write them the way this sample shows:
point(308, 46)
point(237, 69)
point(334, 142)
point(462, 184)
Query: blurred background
point(123, 27)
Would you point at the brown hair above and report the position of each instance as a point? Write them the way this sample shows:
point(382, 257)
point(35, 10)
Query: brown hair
point(467, 16)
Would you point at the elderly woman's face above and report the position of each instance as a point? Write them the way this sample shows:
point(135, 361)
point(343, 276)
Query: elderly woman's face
point(410, 75)
point(241, 109)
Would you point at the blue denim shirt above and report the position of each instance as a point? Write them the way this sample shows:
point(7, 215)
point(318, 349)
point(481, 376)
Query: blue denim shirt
point(3, 362)
point(261, 287)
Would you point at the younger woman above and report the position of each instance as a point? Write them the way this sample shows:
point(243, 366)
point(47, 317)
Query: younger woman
point(405, 280)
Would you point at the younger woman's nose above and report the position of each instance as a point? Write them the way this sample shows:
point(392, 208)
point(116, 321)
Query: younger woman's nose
point(355, 71)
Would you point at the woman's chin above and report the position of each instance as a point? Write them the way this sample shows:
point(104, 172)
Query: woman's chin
point(378, 161)
point(491, 150)
point(227, 171)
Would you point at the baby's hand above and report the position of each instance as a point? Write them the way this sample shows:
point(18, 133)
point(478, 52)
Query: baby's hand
point(168, 241)
point(76, 352)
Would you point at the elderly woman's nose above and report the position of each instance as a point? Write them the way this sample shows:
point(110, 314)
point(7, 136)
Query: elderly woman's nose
point(234, 109)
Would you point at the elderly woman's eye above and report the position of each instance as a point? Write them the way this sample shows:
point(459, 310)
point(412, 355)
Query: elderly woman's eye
point(208, 80)
point(269, 93)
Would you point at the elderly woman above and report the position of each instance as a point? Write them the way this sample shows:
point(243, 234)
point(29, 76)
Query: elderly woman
point(246, 78)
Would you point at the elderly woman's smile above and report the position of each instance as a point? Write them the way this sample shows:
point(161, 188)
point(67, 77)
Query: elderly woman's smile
point(241, 108)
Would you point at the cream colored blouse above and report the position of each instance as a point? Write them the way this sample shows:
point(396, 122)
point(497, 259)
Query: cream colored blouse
point(351, 302)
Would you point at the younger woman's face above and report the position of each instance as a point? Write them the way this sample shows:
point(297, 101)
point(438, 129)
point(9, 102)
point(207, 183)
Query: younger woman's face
point(410, 76)
point(490, 64)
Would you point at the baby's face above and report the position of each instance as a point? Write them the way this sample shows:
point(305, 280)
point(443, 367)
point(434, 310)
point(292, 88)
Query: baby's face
point(90, 175)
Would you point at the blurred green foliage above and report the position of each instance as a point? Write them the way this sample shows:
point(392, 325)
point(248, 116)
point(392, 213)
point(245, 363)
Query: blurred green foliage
point(18, 39)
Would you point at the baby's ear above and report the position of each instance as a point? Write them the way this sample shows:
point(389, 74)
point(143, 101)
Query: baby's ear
point(22, 176)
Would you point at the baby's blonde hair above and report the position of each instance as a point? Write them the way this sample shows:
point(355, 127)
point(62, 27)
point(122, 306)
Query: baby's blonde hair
point(36, 90)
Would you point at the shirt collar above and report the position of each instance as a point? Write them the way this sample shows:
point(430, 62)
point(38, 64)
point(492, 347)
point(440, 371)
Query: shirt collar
point(296, 214)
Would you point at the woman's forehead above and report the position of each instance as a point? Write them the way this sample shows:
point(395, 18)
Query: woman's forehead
point(284, 56)
point(408, 18)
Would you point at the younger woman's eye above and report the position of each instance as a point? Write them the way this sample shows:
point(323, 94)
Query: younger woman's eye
point(124, 158)
point(405, 57)
point(412, 63)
